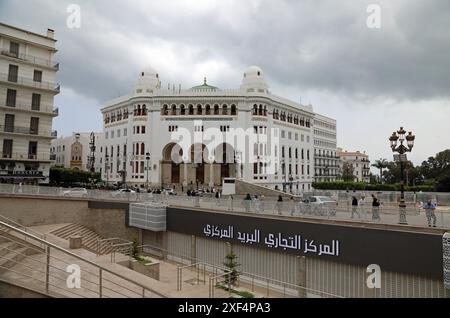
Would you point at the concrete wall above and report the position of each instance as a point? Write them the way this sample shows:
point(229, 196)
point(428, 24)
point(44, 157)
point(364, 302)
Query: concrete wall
point(8, 290)
point(31, 211)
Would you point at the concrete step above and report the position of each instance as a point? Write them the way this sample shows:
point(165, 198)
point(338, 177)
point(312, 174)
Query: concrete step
point(66, 229)
point(12, 258)
point(6, 247)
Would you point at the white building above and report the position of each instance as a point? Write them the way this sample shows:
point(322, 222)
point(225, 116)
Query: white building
point(143, 124)
point(27, 89)
point(359, 162)
point(326, 162)
point(74, 151)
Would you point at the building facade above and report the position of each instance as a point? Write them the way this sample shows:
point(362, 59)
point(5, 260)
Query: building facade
point(75, 151)
point(27, 89)
point(141, 132)
point(326, 161)
point(359, 161)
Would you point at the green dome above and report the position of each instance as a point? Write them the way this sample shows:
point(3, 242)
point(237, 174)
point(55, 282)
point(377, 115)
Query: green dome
point(204, 87)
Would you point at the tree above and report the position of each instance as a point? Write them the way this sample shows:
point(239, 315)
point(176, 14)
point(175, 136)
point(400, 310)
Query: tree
point(347, 172)
point(231, 264)
point(393, 174)
point(443, 182)
point(380, 164)
point(437, 166)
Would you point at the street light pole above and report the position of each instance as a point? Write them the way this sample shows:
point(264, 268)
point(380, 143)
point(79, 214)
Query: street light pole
point(147, 159)
point(401, 158)
point(107, 169)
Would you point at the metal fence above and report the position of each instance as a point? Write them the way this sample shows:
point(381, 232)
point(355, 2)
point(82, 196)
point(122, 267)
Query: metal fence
point(387, 213)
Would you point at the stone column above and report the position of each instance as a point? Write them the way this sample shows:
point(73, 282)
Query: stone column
point(185, 174)
point(211, 175)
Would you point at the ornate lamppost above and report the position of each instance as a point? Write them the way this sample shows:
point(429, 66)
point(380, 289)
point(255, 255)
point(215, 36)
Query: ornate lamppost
point(401, 158)
point(107, 169)
point(147, 159)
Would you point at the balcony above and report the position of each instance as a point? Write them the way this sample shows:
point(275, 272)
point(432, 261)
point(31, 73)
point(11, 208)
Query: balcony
point(32, 59)
point(28, 108)
point(25, 131)
point(19, 80)
point(26, 157)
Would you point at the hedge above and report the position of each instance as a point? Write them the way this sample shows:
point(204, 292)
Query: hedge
point(343, 185)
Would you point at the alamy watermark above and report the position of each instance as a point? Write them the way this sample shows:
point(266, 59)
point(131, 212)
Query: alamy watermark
point(74, 19)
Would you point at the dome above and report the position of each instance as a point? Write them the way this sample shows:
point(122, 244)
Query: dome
point(204, 87)
point(254, 81)
point(148, 81)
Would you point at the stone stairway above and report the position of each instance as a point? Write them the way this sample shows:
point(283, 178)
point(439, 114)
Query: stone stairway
point(12, 252)
point(89, 237)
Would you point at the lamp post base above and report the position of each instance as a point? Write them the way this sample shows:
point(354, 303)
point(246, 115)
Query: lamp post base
point(402, 214)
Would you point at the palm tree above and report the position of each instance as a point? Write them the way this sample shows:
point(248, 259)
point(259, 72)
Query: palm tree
point(381, 164)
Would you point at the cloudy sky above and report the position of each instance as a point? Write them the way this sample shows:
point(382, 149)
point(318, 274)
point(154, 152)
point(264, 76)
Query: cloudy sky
point(372, 80)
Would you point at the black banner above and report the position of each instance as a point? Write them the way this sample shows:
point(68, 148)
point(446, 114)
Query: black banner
point(392, 249)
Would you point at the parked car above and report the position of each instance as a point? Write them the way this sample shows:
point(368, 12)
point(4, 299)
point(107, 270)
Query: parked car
point(122, 193)
point(320, 205)
point(170, 191)
point(76, 193)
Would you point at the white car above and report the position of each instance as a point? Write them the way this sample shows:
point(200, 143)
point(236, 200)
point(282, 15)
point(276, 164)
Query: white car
point(170, 191)
point(122, 193)
point(76, 193)
point(320, 205)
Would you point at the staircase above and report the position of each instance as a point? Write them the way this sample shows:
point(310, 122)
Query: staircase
point(32, 263)
point(89, 237)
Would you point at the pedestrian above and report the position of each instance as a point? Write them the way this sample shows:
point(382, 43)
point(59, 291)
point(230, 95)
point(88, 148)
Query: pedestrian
point(375, 208)
point(292, 205)
point(182, 188)
point(247, 202)
point(355, 207)
point(256, 203)
point(231, 203)
point(429, 208)
point(217, 196)
point(279, 204)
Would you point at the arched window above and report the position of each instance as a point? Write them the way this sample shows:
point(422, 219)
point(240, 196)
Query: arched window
point(144, 110)
point(265, 110)
point(165, 110)
point(224, 109)
point(216, 109)
point(191, 109)
point(182, 110)
point(174, 109)
point(260, 112)
point(199, 109)
point(208, 110)
point(255, 110)
point(233, 109)
point(296, 153)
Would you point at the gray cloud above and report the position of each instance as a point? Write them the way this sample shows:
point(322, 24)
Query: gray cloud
point(322, 50)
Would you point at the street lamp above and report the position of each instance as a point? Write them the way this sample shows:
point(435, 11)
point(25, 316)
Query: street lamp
point(401, 149)
point(147, 159)
point(107, 168)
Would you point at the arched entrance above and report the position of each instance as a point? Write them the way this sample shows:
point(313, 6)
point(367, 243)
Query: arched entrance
point(170, 164)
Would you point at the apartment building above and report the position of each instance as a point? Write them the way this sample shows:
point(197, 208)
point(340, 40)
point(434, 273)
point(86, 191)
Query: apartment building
point(27, 90)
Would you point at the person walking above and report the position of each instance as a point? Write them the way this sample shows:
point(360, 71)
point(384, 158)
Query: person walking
point(429, 208)
point(217, 198)
point(375, 208)
point(247, 202)
point(279, 204)
point(292, 205)
point(355, 207)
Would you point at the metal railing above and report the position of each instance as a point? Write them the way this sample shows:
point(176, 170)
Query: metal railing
point(387, 213)
point(19, 80)
point(29, 107)
point(53, 272)
point(113, 246)
point(269, 286)
point(32, 59)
